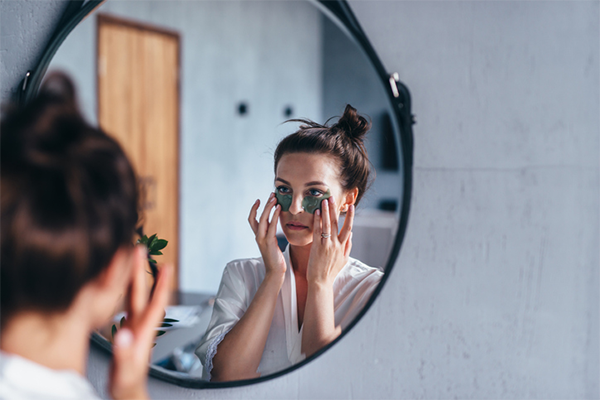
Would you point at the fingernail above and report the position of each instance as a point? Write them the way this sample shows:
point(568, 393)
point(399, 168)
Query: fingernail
point(123, 338)
point(318, 212)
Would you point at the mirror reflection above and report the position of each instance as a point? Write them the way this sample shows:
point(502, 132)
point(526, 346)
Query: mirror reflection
point(196, 91)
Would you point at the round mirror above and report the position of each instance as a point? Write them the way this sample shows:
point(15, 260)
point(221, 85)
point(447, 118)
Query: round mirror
point(197, 93)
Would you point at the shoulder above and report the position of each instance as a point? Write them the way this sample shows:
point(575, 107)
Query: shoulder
point(248, 271)
point(245, 266)
point(17, 374)
point(357, 275)
point(359, 270)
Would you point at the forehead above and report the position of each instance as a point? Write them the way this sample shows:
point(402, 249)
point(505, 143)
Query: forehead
point(299, 168)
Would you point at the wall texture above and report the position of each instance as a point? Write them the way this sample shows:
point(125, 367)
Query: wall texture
point(495, 294)
point(24, 28)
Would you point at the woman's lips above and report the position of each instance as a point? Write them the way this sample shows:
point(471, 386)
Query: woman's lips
point(295, 226)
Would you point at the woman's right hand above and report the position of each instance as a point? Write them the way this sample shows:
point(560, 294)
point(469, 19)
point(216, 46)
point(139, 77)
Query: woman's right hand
point(133, 343)
point(265, 231)
point(239, 354)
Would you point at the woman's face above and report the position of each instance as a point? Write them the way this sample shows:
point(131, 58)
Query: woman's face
point(304, 174)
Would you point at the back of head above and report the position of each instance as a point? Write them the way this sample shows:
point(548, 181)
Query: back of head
point(68, 201)
point(343, 140)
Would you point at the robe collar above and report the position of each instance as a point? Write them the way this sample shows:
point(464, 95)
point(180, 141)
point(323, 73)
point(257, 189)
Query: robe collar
point(293, 335)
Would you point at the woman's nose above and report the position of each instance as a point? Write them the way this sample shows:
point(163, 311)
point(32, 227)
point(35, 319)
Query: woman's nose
point(296, 206)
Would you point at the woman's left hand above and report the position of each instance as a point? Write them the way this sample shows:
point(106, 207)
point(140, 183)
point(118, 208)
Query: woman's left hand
point(330, 250)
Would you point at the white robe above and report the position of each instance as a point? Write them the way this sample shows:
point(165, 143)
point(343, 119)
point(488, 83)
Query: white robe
point(352, 289)
point(23, 379)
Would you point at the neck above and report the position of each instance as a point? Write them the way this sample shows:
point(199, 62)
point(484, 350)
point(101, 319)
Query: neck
point(58, 341)
point(299, 258)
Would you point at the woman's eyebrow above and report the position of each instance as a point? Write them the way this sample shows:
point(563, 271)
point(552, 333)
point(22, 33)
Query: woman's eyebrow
point(312, 183)
point(315, 183)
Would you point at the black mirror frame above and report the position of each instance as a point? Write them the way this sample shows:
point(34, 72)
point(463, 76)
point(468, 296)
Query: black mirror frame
point(398, 96)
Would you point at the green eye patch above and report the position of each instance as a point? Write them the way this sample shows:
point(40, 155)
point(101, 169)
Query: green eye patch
point(310, 203)
point(285, 200)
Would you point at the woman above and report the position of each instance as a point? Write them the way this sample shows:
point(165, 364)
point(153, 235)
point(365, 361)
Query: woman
point(272, 312)
point(68, 215)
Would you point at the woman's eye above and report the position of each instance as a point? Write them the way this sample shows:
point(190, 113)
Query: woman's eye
point(283, 190)
point(315, 192)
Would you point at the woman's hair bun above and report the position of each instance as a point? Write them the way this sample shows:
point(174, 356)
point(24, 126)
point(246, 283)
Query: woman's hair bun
point(58, 86)
point(51, 124)
point(354, 125)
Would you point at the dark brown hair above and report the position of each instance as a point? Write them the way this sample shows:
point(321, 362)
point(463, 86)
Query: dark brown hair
point(69, 202)
point(343, 140)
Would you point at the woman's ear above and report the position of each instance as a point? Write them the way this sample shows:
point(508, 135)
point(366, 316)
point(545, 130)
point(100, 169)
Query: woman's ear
point(349, 199)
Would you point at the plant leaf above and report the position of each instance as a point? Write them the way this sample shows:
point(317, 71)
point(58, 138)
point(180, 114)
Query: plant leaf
point(165, 325)
point(170, 320)
point(113, 331)
point(152, 261)
point(156, 253)
point(143, 240)
point(160, 333)
point(122, 322)
point(160, 244)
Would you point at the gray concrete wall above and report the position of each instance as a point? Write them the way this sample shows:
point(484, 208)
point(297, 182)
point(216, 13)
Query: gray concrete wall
point(495, 294)
point(24, 27)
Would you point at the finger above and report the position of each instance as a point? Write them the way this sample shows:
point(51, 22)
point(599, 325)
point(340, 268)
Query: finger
point(333, 217)
point(326, 220)
point(122, 353)
point(348, 248)
point(154, 311)
point(138, 293)
point(252, 217)
point(348, 224)
point(264, 218)
point(122, 345)
point(317, 227)
point(272, 231)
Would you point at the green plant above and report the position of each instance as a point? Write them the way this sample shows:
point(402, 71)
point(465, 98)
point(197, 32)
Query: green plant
point(154, 246)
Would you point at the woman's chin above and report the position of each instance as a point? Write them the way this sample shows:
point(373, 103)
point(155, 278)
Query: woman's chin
point(299, 238)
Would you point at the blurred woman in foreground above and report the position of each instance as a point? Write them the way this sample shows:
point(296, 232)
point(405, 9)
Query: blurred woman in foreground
point(68, 215)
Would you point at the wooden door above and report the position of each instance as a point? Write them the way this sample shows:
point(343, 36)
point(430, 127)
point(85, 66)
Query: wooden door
point(138, 103)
